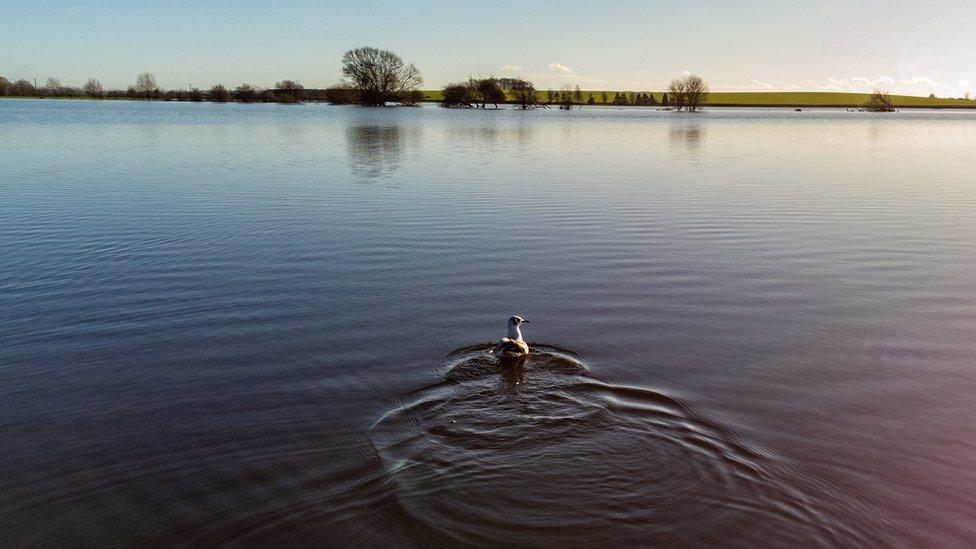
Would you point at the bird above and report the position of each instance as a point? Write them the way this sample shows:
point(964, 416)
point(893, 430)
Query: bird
point(512, 346)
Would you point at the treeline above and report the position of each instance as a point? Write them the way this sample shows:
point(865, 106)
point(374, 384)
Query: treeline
point(145, 88)
point(374, 77)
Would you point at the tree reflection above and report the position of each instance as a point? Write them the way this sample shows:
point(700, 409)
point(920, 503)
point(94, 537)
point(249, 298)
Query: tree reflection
point(375, 151)
point(688, 135)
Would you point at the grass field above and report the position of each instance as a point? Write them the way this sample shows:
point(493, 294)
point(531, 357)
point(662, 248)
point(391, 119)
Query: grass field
point(776, 99)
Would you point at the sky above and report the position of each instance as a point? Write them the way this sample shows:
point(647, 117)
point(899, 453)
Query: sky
point(911, 47)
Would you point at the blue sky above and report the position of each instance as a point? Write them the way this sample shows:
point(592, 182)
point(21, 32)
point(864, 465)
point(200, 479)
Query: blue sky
point(904, 46)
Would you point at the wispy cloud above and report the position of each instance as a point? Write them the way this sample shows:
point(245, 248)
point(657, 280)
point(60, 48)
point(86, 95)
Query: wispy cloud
point(514, 68)
point(856, 83)
point(686, 72)
point(761, 84)
point(644, 71)
point(559, 67)
point(922, 80)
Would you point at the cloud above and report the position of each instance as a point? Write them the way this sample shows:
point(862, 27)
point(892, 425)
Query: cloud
point(686, 72)
point(557, 67)
point(644, 71)
point(515, 68)
point(854, 83)
point(764, 85)
point(965, 83)
point(922, 80)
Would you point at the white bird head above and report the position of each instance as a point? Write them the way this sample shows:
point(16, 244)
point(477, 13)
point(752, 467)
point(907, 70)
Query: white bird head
point(516, 321)
point(513, 327)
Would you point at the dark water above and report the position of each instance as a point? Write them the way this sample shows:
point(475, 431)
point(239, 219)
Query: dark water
point(258, 324)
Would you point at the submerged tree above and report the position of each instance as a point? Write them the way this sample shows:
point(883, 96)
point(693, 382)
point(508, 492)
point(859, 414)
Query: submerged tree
point(696, 92)
point(489, 91)
point(459, 95)
point(379, 75)
point(523, 94)
point(412, 98)
point(879, 101)
point(688, 93)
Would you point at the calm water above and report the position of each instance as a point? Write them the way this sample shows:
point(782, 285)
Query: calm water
point(253, 324)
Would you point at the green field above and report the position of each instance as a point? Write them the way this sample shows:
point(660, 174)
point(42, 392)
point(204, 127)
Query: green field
point(776, 99)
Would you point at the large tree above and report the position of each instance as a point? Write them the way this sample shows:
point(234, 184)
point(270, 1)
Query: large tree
point(489, 91)
point(146, 85)
point(688, 93)
point(379, 75)
point(93, 89)
point(53, 87)
point(458, 95)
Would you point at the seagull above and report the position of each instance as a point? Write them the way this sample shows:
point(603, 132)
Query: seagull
point(513, 345)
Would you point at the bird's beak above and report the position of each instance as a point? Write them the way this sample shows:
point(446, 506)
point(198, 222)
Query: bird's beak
point(525, 321)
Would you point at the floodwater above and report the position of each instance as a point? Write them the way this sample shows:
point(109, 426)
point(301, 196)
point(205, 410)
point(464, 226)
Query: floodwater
point(263, 324)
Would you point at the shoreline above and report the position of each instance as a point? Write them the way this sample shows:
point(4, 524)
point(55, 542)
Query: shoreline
point(962, 106)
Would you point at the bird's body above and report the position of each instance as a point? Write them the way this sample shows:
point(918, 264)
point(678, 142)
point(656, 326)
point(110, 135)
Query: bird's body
point(512, 346)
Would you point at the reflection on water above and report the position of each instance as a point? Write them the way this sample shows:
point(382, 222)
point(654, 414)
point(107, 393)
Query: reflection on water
point(376, 151)
point(687, 135)
point(662, 473)
point(199, 347)
point(492, 137)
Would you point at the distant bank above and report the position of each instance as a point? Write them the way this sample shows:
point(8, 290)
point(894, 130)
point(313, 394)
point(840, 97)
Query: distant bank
point(714, 99)
point(760, 99)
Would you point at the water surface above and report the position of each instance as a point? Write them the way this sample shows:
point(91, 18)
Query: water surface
point(264, 324)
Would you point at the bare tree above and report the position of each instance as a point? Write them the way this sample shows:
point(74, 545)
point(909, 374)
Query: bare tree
point(688, 93)
point(604, 97)
point(696, 92)
point(53, 87)
point(93, 89)
point(677, 91)
point(146, 85)
point(578, 96)
point(379, 75)
point(566, 97)
point(5, 86)
point(879, 101)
